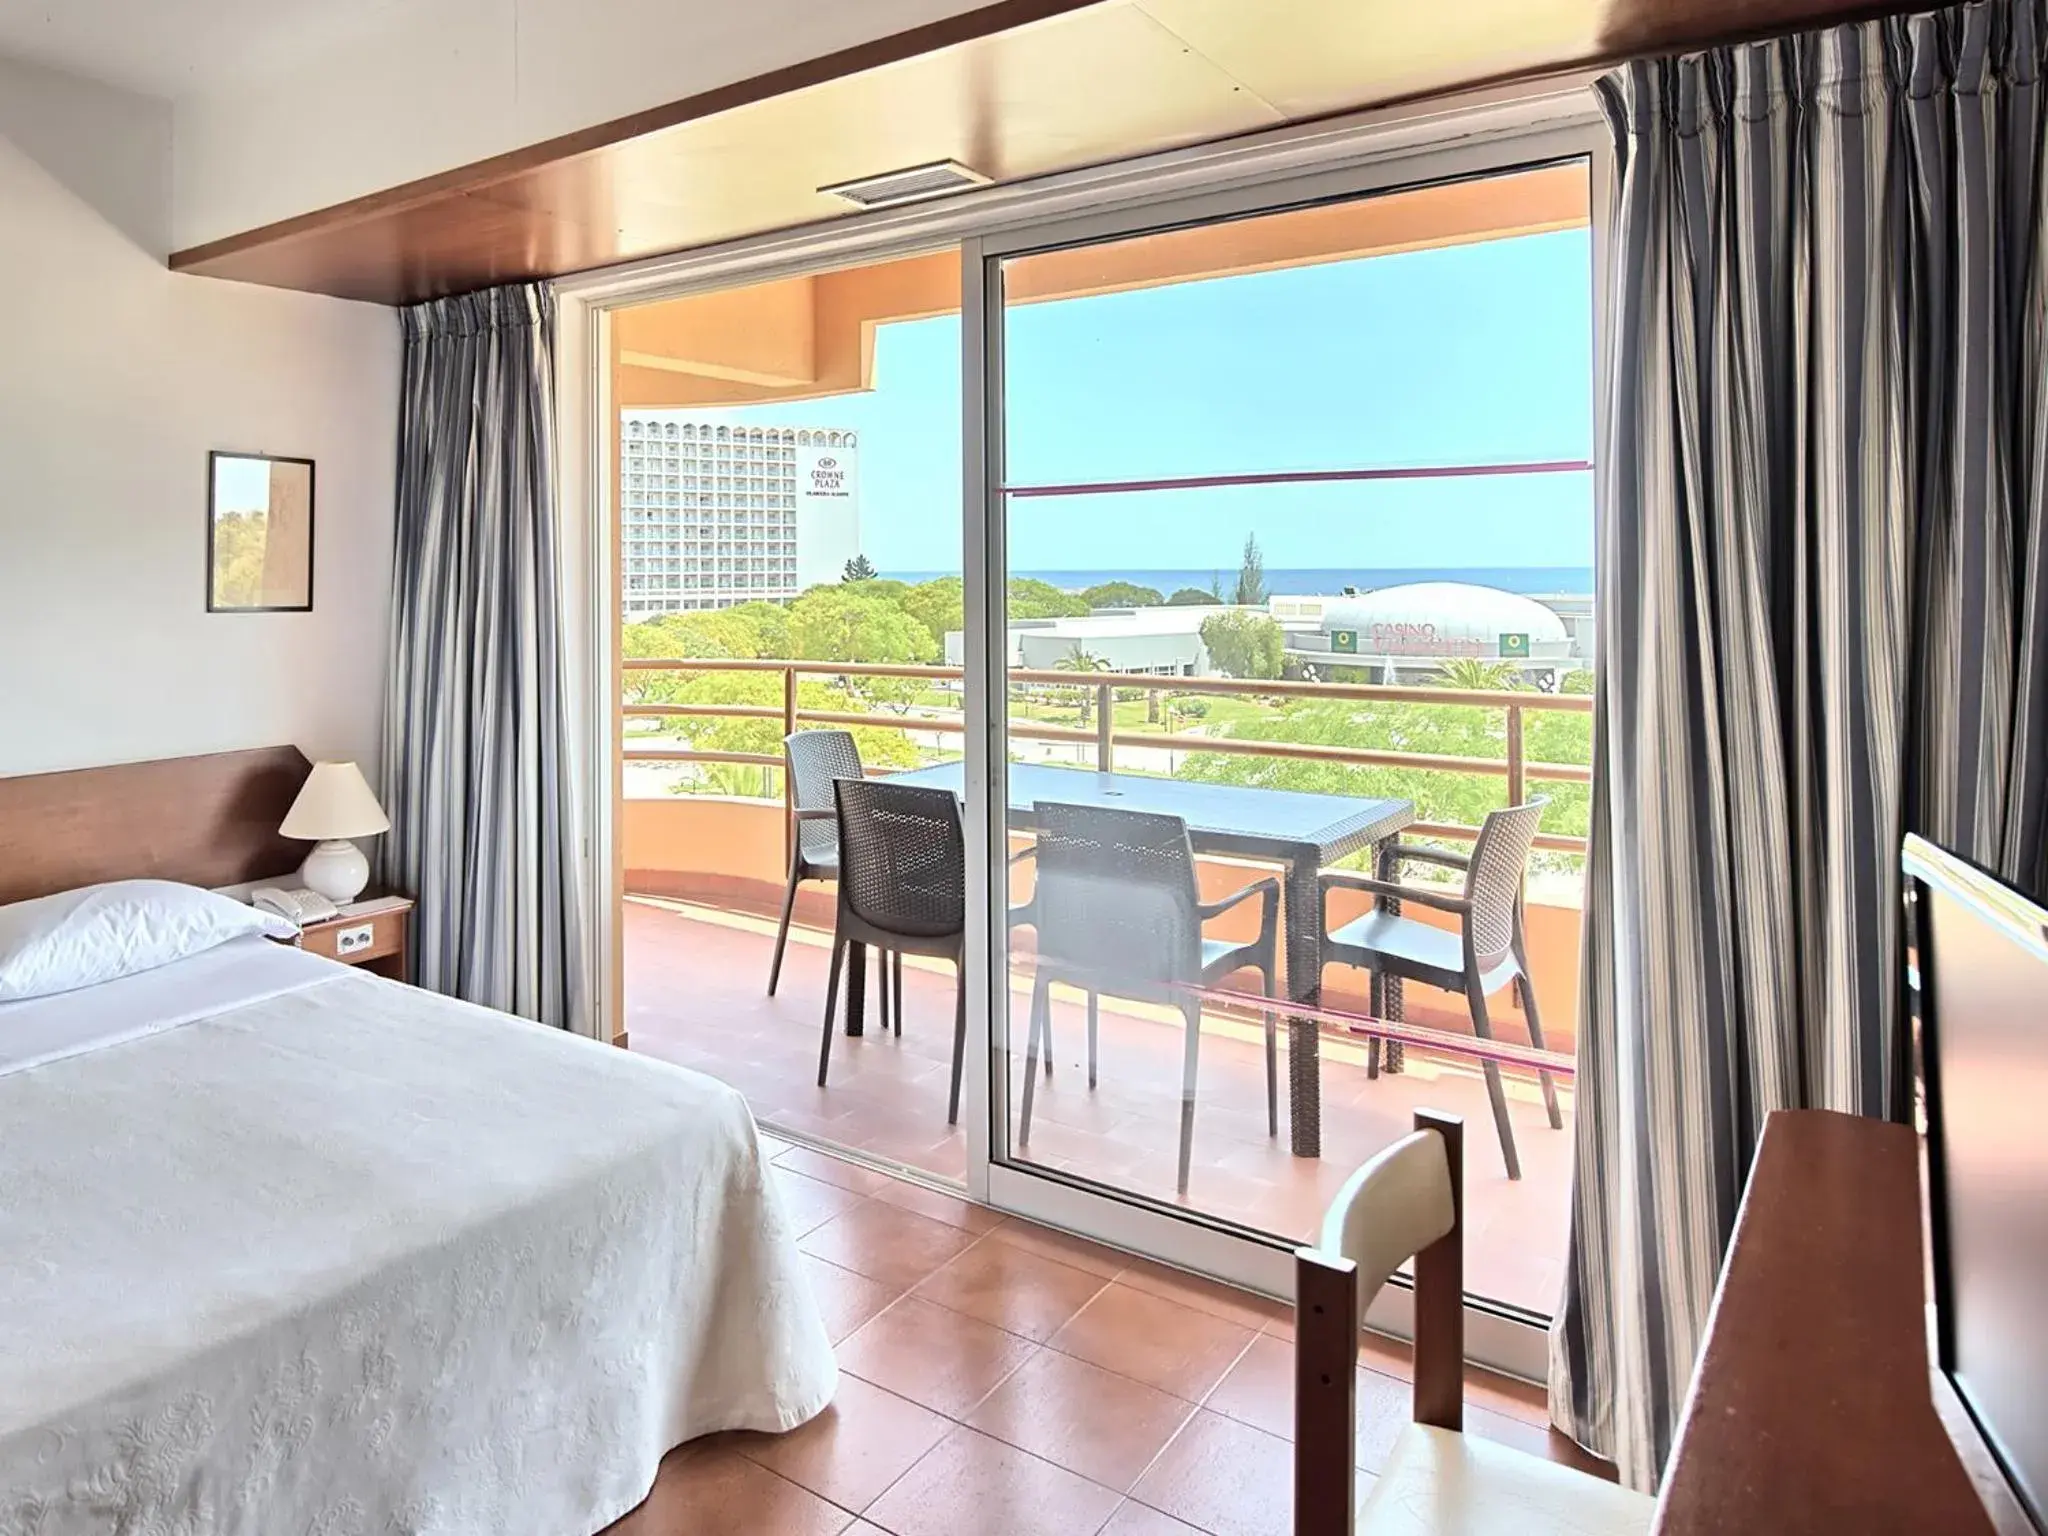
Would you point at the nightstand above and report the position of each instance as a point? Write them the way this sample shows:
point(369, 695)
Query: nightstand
point(371, 933)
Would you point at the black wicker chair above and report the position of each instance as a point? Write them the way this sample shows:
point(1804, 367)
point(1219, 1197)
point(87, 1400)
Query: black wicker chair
point(814, 760)
point(1117, 910)
point(1484, 955)
point(902, 888)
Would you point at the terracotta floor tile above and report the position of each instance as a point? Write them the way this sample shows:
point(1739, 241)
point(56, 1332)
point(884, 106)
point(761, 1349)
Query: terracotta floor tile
point(1389, 1356)
point(886, 1243)
point(1244, 1308)
point(1105, 1427)
point(1224, 1477)
point(972, 1485)
point(1012, 1288)
point(953, 1210)
point(810, 1202)
point(853, 1450)
point(943, 1359)
point(694, 996)
point(1062, 1247)
point(834, 1170)
point(846, 1299)
point(772, 1147)
point(1259, 1390)
point(1135, 1519)
point(1504, 1394)
point(1536, 1439)
point(1386, 1406)
point(1154, 1341)
point(716, 1491)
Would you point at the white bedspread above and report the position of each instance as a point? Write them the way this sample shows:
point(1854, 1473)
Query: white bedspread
point(357, 1259)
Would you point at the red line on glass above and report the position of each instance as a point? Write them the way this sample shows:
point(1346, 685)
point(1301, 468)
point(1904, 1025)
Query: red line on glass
point(1303, 477)
point(1506, 1052)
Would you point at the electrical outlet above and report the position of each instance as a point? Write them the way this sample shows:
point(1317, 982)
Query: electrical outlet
point(351, 940)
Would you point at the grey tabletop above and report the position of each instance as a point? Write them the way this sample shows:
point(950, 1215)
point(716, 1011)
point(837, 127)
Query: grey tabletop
point(1221, 818)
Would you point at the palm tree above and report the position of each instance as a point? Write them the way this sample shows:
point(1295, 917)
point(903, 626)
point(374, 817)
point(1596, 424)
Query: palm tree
point(1079, 659)
point(1469, 672)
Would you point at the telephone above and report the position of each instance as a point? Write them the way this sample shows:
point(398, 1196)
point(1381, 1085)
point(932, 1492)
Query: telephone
point(301, 907)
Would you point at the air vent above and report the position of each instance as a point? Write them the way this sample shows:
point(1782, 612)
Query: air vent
point(907, 186)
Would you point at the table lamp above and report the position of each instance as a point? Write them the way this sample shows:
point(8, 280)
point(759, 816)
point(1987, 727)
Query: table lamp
point(333, 806)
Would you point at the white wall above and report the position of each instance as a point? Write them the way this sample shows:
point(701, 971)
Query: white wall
point(413, 90)
point(115, 379)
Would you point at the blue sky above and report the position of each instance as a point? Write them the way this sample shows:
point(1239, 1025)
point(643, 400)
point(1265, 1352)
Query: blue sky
point(1465, 354)
point(241, 485)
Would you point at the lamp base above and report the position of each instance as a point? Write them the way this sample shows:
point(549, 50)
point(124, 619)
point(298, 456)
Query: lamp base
point(337, 870)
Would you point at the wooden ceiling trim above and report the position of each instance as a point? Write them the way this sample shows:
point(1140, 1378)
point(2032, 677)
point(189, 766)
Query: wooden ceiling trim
point(479, 177)
point(1016, 99)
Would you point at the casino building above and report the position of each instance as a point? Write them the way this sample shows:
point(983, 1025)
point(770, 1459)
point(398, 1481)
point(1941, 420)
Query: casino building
point(1405, 634)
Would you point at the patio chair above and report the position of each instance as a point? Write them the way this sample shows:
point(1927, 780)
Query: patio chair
point(813, 760)
point(1117, 911)
point(1485, 953)
point(903, 889)
point(1408, 1203)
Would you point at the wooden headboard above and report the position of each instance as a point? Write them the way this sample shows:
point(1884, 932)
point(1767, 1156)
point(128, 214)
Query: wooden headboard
point(208, 821)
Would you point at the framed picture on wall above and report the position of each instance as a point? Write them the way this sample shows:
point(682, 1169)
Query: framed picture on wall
point(259, 533)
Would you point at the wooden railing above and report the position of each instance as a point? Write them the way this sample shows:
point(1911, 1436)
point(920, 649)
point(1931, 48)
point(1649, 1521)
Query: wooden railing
point(1105, 737)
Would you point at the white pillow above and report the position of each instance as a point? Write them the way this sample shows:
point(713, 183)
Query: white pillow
point(104, 932)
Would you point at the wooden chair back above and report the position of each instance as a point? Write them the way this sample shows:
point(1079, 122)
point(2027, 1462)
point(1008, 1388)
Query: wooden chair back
point(1408, 1202)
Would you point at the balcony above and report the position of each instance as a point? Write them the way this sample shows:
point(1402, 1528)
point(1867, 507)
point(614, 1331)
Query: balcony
point(704, 876)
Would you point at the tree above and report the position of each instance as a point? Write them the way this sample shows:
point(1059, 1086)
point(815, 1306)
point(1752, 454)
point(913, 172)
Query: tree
point(1080, 659)
point(238, 549)
point(1578, 680)
point(1031, 598)
point(1121, 594)
point(939, 605)
point(847, 623)
point(859, 568)
point(1452, 729)
point(1480, 676)
point(1244, 644)
point(1193, 597)
point(769, 623)
point(1251, 576)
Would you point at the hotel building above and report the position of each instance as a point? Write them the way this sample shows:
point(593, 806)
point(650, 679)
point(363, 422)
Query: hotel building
point(714, 514)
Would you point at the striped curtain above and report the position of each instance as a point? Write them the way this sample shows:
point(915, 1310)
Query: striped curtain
point(1823, 620)
point(476, 744)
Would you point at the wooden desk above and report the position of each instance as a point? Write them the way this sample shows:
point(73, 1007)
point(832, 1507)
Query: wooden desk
point(1812, 1410)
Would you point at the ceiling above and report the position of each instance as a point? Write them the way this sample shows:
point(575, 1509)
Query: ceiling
point(1072, 85)
point(174, 48)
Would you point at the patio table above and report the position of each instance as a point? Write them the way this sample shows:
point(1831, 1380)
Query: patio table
point(1300, 831)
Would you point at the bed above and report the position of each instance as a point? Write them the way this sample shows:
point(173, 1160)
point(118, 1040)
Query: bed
point(286, 1247)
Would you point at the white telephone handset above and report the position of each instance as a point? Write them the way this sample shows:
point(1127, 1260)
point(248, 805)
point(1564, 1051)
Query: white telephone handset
point(301, 907)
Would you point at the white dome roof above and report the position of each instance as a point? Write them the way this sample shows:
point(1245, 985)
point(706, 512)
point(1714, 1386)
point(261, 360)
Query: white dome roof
point(1441, 617)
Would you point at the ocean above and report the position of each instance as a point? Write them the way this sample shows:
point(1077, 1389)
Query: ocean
point(1548, 580)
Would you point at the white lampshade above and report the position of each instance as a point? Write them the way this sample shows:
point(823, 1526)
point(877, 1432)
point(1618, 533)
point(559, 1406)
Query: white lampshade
point(335, 803)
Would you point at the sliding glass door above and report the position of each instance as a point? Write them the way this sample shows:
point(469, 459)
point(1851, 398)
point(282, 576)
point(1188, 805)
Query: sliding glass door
point(1289, 590)
point(788, 553)
point(1219, 553)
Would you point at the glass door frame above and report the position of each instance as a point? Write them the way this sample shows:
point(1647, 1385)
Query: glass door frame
point(1489, 131)
point(1496, 1335)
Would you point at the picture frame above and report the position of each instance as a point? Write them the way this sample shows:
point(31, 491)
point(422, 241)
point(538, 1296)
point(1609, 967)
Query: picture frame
point(259, 533)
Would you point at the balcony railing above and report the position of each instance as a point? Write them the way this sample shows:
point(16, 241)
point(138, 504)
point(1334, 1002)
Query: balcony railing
point(1514, 766)
point(1105, 737)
